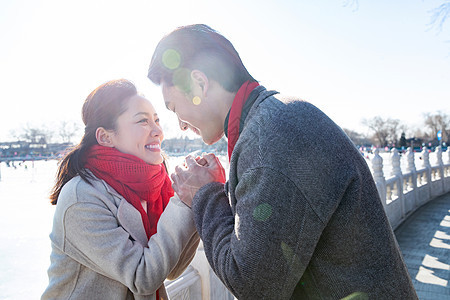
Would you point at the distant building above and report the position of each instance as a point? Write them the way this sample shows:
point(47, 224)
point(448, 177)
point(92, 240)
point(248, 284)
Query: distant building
point(185, 145)
point(24, 150)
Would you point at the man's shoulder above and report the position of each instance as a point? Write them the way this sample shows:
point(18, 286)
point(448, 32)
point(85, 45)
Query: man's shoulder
point(284, 105)
point(282, 114)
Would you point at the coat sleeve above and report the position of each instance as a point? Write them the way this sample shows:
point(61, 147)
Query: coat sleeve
point(93, 237)
point(186, 257)
point(262, 250)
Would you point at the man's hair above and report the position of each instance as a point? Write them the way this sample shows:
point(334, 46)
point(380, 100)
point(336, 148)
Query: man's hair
point(197, 47)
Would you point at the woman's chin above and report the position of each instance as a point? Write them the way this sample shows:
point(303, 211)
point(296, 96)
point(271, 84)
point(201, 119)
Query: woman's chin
point(156, 159)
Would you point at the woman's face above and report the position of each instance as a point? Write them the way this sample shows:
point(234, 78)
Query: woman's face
point(138, 131)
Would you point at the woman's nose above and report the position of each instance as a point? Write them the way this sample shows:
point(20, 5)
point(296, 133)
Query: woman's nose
point(183, 125)
point(156, 131)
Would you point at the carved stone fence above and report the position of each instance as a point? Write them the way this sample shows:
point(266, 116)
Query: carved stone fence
point(404, 192)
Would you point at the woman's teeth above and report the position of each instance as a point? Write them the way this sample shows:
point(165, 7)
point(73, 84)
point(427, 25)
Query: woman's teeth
point(153, 146)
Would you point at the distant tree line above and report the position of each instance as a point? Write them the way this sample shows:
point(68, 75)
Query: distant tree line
point(64, 132)
point(381, 132)
point(388, 132)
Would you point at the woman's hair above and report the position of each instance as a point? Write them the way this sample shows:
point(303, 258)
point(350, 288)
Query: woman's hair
point(197, 47)
point(100, 109)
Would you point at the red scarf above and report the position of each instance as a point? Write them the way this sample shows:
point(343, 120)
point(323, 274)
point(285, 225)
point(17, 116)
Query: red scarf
point(235, 114)
point(134, 179)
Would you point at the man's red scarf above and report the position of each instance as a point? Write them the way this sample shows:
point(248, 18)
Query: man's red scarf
point(134, 179)
point(235, 114)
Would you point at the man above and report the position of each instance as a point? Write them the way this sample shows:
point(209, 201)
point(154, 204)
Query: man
point(300, 217)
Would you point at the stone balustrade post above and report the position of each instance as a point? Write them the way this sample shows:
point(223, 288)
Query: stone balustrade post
point(378, 176)
point(426, 164)
point(425, 158)
point(439, 155)
point(440, 164)
point(397, 172)
point(448, 154)
point(395, 162)
point(411, 168)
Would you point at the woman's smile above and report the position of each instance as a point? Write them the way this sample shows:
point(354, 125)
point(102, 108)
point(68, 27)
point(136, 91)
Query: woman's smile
point(154, 147)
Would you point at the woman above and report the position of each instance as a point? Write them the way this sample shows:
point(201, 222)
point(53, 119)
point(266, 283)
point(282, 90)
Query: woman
point(117, 231)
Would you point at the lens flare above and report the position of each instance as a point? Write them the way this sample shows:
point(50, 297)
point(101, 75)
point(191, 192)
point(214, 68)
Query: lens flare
point(171, 59)
point(196, 100)
point(357, 296)
point(290, 256)
point(181, 79)
point(262, 212)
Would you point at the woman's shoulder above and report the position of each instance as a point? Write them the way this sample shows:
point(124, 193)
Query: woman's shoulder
point(78, 189)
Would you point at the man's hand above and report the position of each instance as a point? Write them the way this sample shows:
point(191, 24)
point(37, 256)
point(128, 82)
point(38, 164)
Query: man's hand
point(195, 173)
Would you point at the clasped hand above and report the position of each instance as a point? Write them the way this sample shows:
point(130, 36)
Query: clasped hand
point(195, 173)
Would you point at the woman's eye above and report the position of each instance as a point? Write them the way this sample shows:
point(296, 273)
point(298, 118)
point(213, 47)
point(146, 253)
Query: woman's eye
point(157, 121)
point(143, 121)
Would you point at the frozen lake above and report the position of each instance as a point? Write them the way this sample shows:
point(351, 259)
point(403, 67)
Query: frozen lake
point(25, 223)
point(26, 218)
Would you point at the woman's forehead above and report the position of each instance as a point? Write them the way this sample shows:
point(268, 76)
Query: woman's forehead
point(138, 104)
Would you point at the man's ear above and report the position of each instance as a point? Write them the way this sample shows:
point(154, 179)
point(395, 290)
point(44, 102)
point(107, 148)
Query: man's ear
point(103, 137)
point(200, 83)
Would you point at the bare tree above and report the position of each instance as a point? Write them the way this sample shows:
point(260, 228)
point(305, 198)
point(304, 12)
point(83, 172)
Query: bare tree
point(35, 134)
point(385, 130)
point(14, 134)
point(436, 122)
point(67, 130)
point(439, 15)
point(351, 3)
point(356, 137)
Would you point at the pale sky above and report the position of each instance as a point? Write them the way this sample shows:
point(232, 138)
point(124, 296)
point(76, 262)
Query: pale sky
point(380, 58)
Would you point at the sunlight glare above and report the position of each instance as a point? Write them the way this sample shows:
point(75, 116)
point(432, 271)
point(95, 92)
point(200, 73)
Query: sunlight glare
point(171, 59)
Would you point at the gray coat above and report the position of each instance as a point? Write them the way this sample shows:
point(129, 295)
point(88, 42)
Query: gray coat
point(100, 248)
point(300, 217)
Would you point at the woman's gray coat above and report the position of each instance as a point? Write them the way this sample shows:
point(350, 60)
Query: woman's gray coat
point(100, 248)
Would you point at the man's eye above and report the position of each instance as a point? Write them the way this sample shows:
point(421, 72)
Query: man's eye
point(143, 121)
point(157, 121)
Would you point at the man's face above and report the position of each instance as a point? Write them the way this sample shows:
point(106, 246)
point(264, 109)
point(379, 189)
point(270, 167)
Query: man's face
point(197, 114)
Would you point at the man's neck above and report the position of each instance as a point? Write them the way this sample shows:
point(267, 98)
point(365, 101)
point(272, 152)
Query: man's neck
point(223, 99)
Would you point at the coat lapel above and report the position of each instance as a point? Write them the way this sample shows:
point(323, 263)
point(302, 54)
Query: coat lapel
point(131, 221)
point(130, 218)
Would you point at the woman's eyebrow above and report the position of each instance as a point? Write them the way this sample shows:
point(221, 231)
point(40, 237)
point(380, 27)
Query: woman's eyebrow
point(141, 113)
point(145, 113)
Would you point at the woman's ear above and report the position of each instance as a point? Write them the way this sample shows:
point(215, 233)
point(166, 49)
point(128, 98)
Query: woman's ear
point(103, 137)
point(200, 83)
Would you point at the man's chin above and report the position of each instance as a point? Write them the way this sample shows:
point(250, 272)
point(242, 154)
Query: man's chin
point(211, 140)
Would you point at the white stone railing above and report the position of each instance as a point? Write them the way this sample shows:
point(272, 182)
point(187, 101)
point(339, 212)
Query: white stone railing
point(404, 192)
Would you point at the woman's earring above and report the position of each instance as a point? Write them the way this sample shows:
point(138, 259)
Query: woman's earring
point(196, 100)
